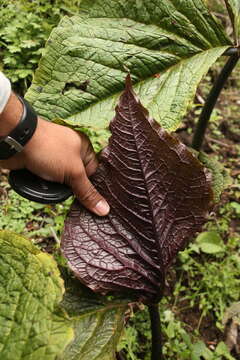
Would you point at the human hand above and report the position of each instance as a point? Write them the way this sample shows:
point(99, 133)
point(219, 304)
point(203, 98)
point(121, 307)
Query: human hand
point(57, 153)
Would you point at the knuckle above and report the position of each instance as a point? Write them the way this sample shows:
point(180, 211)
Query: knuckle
point(90, 195)
point(76, 174)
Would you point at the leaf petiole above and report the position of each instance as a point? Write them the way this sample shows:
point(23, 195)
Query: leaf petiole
point(211, 101)
point(156, 332)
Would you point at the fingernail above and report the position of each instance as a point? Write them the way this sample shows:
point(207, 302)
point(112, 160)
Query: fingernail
point(102, 208)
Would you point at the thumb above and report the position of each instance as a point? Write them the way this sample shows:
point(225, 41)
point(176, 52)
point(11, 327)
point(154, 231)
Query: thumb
point(87, 194)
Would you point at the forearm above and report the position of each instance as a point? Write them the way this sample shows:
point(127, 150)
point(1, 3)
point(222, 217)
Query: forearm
point(10, 115)
point(10, 107)
point(53, 152)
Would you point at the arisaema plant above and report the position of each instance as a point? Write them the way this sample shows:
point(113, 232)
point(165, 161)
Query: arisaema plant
point(158, 189)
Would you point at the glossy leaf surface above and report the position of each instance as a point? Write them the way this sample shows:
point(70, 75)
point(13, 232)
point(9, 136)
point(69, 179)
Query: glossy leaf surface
point(159, 194)
point(166, 45)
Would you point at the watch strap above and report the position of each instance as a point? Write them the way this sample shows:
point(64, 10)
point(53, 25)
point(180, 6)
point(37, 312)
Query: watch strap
point(21, 134)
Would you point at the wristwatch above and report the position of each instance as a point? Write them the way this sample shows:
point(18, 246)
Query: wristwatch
point(21, 134)
point(25, 183)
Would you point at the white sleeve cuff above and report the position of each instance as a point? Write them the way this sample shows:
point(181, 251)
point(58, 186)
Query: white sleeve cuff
point(5, 91)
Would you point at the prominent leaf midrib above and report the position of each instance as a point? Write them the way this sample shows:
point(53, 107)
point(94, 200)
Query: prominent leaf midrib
point(118, 68)
point(153, 222)
point(118, 92)
point(131, 45)
point(99, 314)
point(203, 38)
point(121, 69)
point(157, 236)
point(180, 64)
point(185, 15)
point(105, 345)
point(147, 56)
point(97, 325)
point(162, 32)
point(88, 339)
point(144, 255)
point(123, 261)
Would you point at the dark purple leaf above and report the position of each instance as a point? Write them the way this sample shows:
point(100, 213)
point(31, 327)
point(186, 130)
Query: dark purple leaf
point(159, 194)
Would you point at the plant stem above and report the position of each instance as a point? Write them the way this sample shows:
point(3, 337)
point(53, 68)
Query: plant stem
point(231, 51)
point(211, 101)
point(156, 332)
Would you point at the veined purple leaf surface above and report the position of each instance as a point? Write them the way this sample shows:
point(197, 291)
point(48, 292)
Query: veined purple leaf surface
point(159, 194)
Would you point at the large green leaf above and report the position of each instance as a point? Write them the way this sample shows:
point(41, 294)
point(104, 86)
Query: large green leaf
point(32, 326)
point(166, 45)
point(233, 7)
point(97, 324)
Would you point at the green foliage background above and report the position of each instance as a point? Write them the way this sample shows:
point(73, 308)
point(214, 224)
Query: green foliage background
point(24, 28)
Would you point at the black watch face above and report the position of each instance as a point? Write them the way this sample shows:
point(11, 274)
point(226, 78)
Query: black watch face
point(34, 188)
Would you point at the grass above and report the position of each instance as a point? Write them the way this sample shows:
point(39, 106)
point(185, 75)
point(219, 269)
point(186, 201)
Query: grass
point(42, 223)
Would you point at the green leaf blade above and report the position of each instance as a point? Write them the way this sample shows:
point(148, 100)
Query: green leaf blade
point(97, 335)
point(176, 88)
point(166, 97)
point(174, 16)
point(97, 323)
point(87, 58)
point(32, 325)
point(210, 242)
point(233, 7)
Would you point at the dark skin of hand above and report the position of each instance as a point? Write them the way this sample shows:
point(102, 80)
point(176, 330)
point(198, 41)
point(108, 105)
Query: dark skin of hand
point(55, 153)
